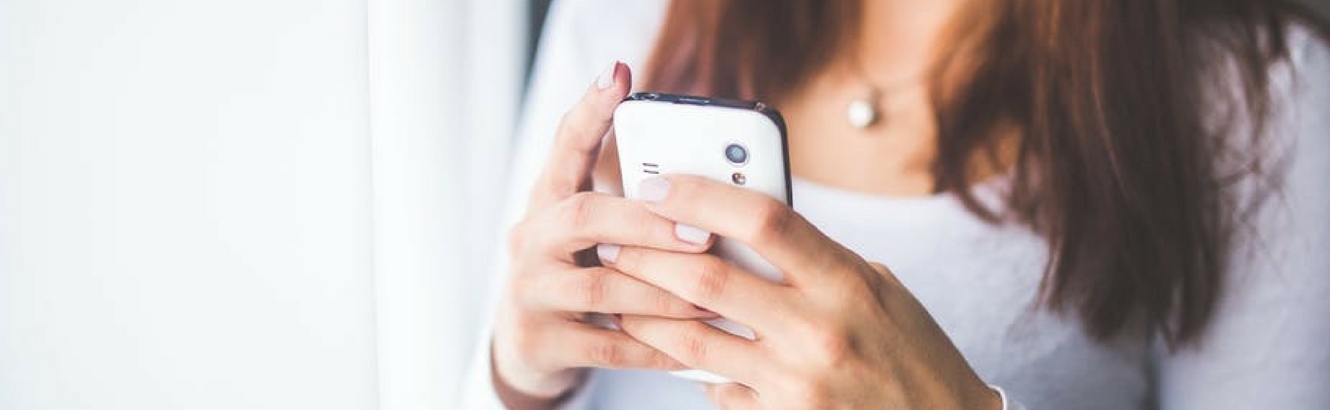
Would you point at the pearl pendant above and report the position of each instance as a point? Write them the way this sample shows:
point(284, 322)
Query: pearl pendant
point(862, 112)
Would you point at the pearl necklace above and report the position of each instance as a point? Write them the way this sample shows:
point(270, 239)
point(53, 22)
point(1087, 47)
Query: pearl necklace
point(864, 111)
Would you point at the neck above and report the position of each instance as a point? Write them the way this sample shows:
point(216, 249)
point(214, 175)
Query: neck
point(897, 38)
point(894, 51)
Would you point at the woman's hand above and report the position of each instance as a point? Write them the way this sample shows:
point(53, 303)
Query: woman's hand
point(840, 333)
point(541, 343)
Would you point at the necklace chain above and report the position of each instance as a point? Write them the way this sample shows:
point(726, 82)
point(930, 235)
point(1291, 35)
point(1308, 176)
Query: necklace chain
point(865, 111)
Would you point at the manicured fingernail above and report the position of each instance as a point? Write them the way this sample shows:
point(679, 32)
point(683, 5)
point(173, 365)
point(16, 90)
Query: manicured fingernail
point(691, 234)
point(607, 252)
point(606, 79)
point(705, 314)
point(653, 189)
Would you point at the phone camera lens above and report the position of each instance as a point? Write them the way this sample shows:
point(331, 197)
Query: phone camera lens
point(737, 154)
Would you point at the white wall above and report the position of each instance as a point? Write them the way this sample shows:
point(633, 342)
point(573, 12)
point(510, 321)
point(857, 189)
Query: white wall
point(184, 205)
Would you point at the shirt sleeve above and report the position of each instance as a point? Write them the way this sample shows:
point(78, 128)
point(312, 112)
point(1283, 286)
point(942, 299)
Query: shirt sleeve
point(1266, 347)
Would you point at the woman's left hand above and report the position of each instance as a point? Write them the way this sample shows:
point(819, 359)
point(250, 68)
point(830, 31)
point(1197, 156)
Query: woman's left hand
point(839, 333)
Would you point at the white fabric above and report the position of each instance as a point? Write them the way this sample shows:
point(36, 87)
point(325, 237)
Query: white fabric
point(1264, 349)
point(184, 205)
point(249, 204)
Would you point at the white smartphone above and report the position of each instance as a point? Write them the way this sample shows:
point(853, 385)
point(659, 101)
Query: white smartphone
point(741, 143)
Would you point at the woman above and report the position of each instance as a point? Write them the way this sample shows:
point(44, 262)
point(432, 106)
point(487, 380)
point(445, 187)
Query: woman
point(1090, 204)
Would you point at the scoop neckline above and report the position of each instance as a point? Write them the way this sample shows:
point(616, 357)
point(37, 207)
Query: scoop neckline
point(989, 189)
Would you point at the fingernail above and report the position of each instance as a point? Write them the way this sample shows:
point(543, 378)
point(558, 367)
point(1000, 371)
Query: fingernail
point(606, 79)
point(704, 313)
point(691, 234)
point(607, 252)
point(653, 189)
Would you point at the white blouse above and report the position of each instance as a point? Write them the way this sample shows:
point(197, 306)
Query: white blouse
point(1268, 346)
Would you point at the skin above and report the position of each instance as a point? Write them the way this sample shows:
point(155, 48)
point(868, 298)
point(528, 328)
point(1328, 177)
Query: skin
point(892, 158)
point(545, 301)
point(852, 336)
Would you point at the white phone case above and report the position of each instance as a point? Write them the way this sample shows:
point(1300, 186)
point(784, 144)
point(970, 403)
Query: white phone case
point(667, 134)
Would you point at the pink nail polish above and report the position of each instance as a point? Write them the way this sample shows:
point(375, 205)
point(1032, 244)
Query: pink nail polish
point(608, 253)
point(691, 234)
point(653, 189)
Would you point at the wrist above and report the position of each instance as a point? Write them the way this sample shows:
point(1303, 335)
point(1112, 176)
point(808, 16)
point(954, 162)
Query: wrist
point(962, 392)
point(986, 397)
point(515, 399)
point(531, 395)
point(983, 397)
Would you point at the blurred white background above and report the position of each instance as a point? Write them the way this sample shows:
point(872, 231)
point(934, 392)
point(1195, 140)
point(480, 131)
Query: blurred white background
point(249, 204)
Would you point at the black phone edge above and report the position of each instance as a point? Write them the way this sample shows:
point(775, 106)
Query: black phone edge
point(758, 106)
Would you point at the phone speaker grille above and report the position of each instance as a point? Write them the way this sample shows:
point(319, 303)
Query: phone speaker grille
point(650, 168)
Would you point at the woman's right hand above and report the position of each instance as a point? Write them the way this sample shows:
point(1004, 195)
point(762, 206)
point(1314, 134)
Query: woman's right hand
point(542, 344)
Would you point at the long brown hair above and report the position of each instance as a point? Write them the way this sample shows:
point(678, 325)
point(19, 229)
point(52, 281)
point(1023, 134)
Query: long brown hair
point(1117, 165)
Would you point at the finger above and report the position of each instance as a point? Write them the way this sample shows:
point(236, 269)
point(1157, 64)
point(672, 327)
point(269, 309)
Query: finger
point(588, 218)
point(604, 290)
point(732, 396)
point(589, 346)
point(577, 141)
point(606, 176)
point(699, 346)
point(884, 272)
point(763, 223)
point(711, 282)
